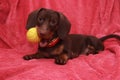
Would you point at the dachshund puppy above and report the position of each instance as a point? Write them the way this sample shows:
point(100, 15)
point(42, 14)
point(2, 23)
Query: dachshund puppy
point(53, 28)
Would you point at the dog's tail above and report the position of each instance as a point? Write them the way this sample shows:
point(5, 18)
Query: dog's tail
point(109, 36)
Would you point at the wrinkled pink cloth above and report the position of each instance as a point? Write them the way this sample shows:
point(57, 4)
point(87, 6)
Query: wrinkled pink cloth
point(94, 17)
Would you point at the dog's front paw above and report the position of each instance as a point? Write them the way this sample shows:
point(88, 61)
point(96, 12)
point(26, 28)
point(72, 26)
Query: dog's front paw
point(61, 59)
point(27, 57)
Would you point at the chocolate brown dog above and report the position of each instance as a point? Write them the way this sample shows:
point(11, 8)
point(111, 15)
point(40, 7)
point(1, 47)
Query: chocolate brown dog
point(53, 27)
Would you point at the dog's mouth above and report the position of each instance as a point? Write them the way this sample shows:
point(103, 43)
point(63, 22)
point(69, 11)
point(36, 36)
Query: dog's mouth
point(48, 38)
point(45, 38)
point(49, 43)
point(43, 43)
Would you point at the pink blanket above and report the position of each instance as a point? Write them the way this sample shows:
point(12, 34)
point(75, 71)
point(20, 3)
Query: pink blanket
point(94, 17)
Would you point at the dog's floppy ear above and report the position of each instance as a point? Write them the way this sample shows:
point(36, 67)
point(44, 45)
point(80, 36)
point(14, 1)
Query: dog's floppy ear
point(63, 27)
point(32, 18)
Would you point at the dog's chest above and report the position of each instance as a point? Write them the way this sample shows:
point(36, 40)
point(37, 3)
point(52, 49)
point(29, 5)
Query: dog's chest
point(54, 50)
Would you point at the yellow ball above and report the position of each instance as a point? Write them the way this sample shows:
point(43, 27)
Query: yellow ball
point(32, 35)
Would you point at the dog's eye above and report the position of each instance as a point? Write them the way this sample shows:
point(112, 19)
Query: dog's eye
point(41, 20)
point(53, 22)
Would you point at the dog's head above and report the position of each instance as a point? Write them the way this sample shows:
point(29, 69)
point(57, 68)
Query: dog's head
point(49, 23)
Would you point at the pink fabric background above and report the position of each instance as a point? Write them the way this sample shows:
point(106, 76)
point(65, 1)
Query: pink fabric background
point(94, 17)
